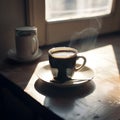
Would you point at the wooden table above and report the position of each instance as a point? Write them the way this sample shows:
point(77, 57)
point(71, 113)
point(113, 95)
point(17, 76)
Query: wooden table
point(102, 102)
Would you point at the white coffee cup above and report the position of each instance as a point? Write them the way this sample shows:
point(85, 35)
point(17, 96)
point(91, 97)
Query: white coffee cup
point(26, 42)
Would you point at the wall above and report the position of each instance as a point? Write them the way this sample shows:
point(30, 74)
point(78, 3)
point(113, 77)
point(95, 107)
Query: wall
point(12, 15)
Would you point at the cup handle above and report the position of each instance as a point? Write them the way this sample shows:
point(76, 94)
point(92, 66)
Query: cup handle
point(35, 45)
point(82, 65)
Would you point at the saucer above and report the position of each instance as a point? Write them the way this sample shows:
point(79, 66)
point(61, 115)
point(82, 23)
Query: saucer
point(45, 76)
point(72, 89)
point(13, 56)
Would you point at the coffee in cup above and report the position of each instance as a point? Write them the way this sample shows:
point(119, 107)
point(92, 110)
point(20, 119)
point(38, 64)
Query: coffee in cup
point(63, 62)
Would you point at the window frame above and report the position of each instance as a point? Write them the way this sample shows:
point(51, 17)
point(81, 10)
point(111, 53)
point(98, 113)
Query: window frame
point(54, 32)
point(35, 10)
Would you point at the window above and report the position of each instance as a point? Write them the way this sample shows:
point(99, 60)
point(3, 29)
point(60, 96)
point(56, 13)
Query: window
point(73, 9)
point(61, 26)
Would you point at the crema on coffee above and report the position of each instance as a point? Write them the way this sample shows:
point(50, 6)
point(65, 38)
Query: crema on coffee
point(63, 54)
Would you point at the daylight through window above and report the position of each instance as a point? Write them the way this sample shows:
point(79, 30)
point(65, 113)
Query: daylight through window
point(57, 10)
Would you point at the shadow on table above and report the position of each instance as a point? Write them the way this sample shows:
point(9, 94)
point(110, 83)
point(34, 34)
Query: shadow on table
point(73, 92)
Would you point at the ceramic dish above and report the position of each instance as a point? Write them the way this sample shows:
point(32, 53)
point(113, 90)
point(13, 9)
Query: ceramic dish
point(80, 85)
point(12, 55)
point(79, 77)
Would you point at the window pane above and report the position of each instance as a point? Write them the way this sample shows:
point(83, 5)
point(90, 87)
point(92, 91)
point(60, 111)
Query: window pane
point(57, 10)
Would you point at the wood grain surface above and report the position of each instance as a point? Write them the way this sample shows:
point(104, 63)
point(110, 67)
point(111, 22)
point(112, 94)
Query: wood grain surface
point(102, 103)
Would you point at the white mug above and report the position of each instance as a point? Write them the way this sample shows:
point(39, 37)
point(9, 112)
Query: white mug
point(26, 42)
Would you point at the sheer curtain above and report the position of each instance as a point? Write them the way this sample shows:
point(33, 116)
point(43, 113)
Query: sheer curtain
point(57, 10)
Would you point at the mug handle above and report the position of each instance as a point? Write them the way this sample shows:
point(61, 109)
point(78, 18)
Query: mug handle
point(34, 45)
point(81, 65)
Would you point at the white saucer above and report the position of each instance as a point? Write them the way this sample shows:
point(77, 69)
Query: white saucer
point(45, 76)
point(12, 55)
point(72, 89)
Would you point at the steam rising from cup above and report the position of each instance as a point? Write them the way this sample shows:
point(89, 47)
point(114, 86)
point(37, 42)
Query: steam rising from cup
point(86, 39)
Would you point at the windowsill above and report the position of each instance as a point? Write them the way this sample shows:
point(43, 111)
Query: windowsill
point(77, 18)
